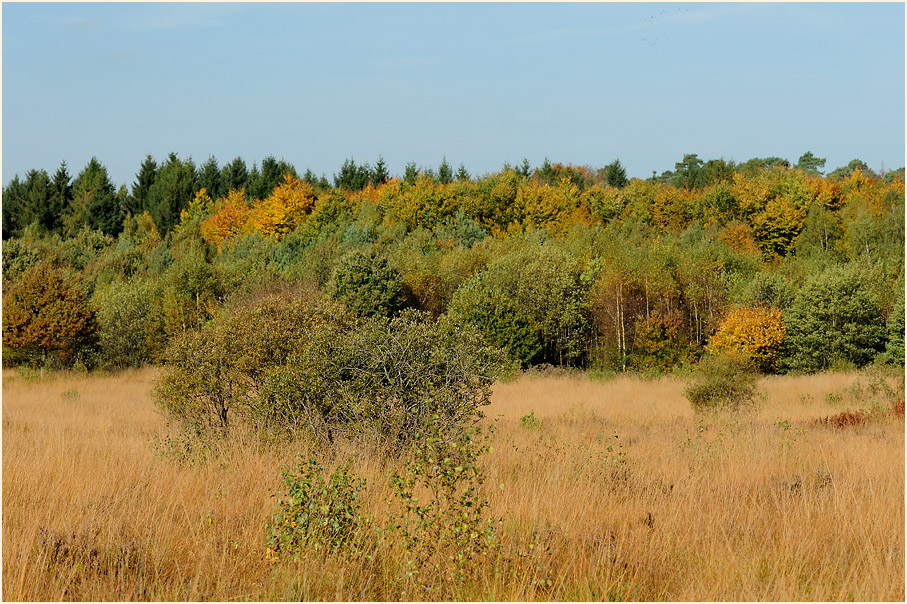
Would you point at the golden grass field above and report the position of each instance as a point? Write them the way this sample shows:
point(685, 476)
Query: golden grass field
point(620, 493)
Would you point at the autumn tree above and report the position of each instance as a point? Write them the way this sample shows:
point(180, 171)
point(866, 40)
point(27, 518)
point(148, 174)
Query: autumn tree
point(46, 318)
point(756, 333)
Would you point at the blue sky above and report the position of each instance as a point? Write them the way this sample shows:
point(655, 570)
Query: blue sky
point(481, 84)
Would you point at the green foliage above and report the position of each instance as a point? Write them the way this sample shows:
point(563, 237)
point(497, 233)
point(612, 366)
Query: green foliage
point(366, 284)
point(131, 329)
point(502, 322)
point(315, 513)
point(615, 175)
point(44, 318)
point(288, 363)
point(894, 348)
point(351, 176)
point(173, 188)
point(834, 317)
point(216, 372)
point(94, 203)
point(722, 382)
point(443, 526)
point(530, 422)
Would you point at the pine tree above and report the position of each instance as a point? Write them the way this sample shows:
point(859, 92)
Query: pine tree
point(234, 176)
point(615, 174)
point(173, 189)
point(94, 202)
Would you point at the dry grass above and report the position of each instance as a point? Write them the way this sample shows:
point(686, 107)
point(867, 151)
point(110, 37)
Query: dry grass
point(622, 493)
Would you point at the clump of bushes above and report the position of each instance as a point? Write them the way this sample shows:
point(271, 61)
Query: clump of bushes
point(366, 284)
point(724, 382)
point(292, 362)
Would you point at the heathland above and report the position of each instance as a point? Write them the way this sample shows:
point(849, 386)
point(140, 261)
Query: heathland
point(604, 490)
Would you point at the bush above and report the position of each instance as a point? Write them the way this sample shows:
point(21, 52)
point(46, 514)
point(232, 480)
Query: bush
point(443, 525)
point(834, 318)
point(46, 318)
point(289, 362)
point(315, 513)
point(224, 368)
point(131, 330)
point(659, 344)
point(722, 382)
point(500, 320)
point(366, 284)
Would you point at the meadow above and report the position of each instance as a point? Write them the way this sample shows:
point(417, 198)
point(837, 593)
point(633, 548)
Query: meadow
point(603, 490)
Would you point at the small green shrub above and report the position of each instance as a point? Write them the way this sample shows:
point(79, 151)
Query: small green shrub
point(530, 422)
point(443, 525)
point(71, 394)
point(722, 382)
point(315, 513)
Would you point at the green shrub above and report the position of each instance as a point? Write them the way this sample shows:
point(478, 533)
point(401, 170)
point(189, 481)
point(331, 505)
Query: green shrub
point(530, 422)
point(221, 369)
point(290, 362)
point(443, 524)
point(834, 318)
point(500, 320)
point(722, 382)
point(129, 315)
point(366, 284)
point(315, 513)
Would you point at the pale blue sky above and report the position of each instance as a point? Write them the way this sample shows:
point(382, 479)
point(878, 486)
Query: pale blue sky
point(483, 84)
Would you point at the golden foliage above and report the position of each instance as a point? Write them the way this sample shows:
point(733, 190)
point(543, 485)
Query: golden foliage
point(757, 333)
point(228, 219)
point(287, 207)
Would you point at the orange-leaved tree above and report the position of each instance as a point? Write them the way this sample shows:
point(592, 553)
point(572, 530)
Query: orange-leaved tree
point(44, 316)
point(756, 333)
point(229, 218)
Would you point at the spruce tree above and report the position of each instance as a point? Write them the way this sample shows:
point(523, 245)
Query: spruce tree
point(138, 201)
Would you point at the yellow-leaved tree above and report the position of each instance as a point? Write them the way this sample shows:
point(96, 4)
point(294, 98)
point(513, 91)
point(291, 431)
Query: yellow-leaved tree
point(756, 333)
point(284, 209)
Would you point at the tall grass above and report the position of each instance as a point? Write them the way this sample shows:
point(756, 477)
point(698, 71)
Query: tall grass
point(618, 492)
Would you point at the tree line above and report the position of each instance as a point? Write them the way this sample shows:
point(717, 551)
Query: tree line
point(557, 264)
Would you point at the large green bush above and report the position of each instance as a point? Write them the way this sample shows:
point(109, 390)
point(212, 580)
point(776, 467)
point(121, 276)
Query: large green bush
point(498, 318)
point(532, 302)
point(131, 326)
point(834, 318)
point(295, 362)
point(366, 284)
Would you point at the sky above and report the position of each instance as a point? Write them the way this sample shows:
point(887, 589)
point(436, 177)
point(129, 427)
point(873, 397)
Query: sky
point(480, 84)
